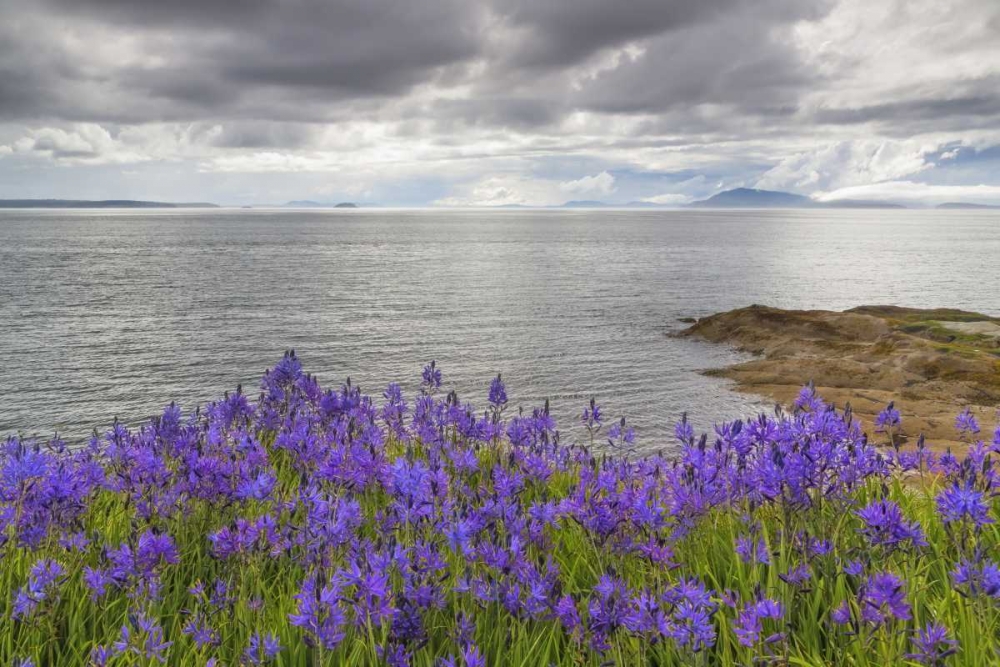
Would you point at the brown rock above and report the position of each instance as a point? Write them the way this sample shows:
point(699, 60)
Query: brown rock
point(933, 363)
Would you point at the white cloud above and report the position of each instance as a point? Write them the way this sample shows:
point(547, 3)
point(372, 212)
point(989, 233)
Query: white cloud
point(670, 199)
point(269, 161)
point(505, 190)
point(524, 190)
point(601, 184)
point(921, 194)
point(847, 164)
point(82, 143)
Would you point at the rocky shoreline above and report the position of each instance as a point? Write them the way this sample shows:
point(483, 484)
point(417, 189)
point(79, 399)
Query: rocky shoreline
point(931, 362)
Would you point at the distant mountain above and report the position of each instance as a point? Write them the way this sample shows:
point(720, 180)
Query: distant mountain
point(584, 204)
point(308, 203)
point(753, 198)
point(103, 203)
point(965, 205)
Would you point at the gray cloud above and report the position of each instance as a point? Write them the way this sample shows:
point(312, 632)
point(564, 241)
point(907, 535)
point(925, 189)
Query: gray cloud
point(727, 86)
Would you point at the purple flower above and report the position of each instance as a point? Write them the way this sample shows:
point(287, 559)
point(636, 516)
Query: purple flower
point(977, 578)
point(888, 419)
point(808, 399)
point(841, 615)
point(568, 614)
point(932, 645)
point(798, 576)
point(621, 436)
point(144, 637)
point(498, 393)
point(749, 622)
point(258, 487)
point(592, 417)
point(431, 378)
point(319, 613)
point(885, 526)
point(749, 549)
point(883, 599)
point(854, 568)
point(201, 633)
point(43, 582)
point(683, 430)
point(261, 649)
point(100, 656)
point(961, 502)
point(966, 423)
point(472, 657)
point(97, 581)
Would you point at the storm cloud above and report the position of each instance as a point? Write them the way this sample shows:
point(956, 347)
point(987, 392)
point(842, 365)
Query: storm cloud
point(470, 101)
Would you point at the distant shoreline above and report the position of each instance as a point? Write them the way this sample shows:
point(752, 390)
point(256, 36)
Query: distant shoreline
point(100, 203)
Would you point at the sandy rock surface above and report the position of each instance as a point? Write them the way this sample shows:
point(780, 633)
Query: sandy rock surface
point(932, 363)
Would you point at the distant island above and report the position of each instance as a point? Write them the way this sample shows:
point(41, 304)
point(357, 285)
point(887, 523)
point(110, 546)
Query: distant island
point(754, 198)
point(306, 203)
point(99, 203)
point(964, 205)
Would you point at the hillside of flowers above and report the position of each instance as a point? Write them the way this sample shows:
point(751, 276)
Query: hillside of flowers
point(313, 526)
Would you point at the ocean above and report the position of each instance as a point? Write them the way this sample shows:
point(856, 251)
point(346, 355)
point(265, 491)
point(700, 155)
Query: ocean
point(118, 313)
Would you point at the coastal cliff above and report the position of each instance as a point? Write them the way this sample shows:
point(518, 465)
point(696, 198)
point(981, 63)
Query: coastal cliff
point(932, 363)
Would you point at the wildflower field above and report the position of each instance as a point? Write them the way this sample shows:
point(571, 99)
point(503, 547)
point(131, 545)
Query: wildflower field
point(325, 527)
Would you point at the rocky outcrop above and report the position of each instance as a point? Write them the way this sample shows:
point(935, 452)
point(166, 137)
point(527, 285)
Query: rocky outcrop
point(933, 363)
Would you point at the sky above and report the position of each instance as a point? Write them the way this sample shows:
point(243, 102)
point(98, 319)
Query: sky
point(499, 102)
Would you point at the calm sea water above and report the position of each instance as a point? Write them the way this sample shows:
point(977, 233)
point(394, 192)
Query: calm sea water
point(106, 313)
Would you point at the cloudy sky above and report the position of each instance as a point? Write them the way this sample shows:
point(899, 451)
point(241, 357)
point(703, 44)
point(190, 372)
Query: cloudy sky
point(492, 102)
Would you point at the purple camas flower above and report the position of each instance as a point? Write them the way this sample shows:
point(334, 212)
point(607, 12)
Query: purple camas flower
point(888, 419)
point(884, 599)
point(262, 649)
point(592, 417)
point(319, 613)
point(43, 583)
point(981, 578)
point(841, 614)
point(854, 568)
point(932, 645)
point(568, 615)
point(885, 526)
point(798, 575)
point(201, 633)
point(808, 399)
point(414, 527)
point(961, 502)
point(256, 488)
point(621, 436)
point(683, 430)
point(749, 622)
point(691, 614)
point(142, 636)
point(100, 656)
point(472, 657)
point(431, 378)
point(966, 423)
point(498, 393)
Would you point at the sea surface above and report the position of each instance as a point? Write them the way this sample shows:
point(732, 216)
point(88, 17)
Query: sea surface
point(117, 313)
